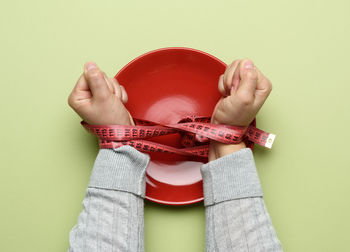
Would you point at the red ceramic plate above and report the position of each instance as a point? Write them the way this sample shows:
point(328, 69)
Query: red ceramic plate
point(164, 86)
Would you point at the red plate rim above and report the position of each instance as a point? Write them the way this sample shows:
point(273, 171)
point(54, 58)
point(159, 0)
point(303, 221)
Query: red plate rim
point(166, 49)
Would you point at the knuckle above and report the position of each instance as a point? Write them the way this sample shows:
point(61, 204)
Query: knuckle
point(269, 84)
point(232, 65)
point(265, 92)
point(71, 101)
point(235, 62)
point(114, 80)
point(269, 89)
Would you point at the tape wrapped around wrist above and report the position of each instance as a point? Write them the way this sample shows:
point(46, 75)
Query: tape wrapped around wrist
point(196, 134)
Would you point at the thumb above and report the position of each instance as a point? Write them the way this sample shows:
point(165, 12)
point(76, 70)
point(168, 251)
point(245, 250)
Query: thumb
point(96, 81)
point(249, 79)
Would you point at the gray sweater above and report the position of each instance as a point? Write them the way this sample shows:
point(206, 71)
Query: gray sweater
point(112, 215)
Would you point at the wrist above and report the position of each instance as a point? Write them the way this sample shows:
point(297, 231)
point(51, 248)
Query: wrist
point(218, 150)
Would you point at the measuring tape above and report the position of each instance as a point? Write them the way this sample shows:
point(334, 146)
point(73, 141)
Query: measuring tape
point(196, 133)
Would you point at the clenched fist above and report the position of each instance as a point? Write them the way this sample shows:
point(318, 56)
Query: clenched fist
point(244, 89)
point(99, 100)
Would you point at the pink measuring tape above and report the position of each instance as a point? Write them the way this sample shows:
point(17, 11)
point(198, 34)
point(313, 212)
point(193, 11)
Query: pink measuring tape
point(195, 131)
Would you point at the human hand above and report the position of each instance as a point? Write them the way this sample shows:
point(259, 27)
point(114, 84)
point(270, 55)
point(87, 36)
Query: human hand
point(244, 89)
point(99, 100)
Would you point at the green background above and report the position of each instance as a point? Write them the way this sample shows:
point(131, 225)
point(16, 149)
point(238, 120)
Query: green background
point(46, 157)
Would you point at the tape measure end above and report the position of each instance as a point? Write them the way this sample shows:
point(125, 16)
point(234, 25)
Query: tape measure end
point(270, 140)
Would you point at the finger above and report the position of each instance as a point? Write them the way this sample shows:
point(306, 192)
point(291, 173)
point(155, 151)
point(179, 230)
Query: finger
point(236, 79)
point(81, 84)
point(228, 76)
point(118, 90)
point(110, 84)
point(124, 94)
point(80, 92)
point(131, 119)
point(249, 79)
point(96, 81)
point(263, 89)
point(221, 85)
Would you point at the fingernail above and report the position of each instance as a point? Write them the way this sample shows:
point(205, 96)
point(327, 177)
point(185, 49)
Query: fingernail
point(248, 65)
point(90, 66)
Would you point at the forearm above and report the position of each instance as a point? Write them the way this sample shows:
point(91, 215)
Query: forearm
point(112, 215)
point(236, 216)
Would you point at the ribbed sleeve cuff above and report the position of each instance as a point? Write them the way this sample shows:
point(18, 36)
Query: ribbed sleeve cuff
point(120, 169)
point(233, 176)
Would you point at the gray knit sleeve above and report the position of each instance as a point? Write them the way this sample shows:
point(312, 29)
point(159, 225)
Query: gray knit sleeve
point(236, 215)
point(112, 215)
